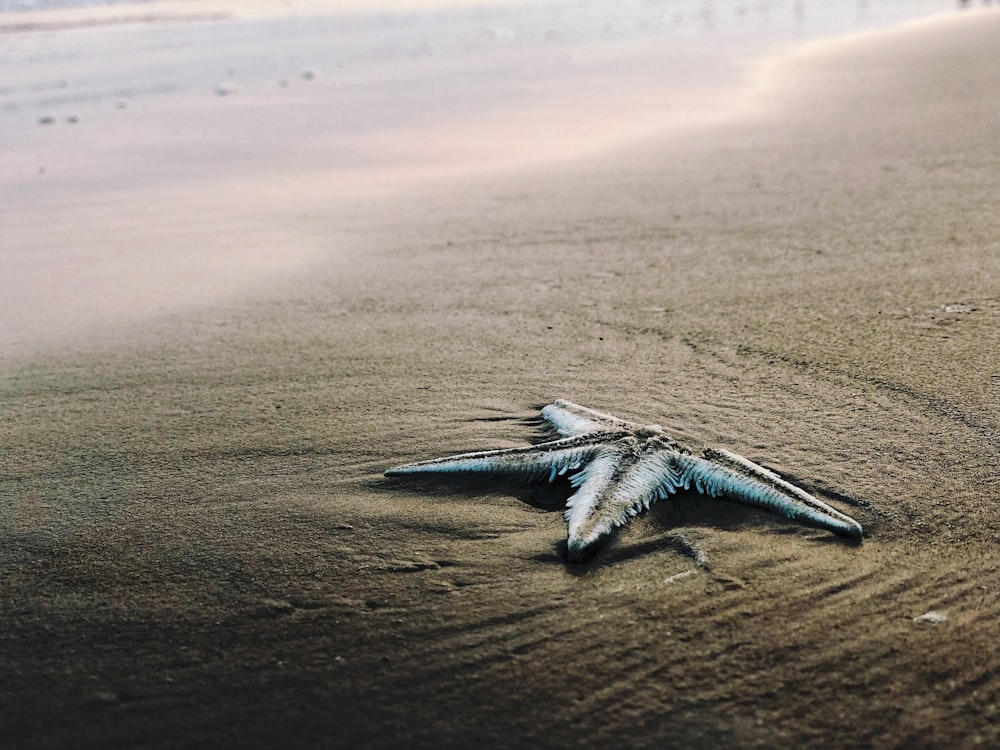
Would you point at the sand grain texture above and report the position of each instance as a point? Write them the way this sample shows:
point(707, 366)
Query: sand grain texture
point(198, 545)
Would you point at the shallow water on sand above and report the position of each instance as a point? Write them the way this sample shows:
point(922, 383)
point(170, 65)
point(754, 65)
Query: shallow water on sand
point(110, 131)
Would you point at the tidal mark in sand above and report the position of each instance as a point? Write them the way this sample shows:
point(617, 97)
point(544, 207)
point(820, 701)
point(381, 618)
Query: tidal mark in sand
point(928, 402)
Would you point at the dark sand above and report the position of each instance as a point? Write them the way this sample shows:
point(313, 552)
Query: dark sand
point(198, 546)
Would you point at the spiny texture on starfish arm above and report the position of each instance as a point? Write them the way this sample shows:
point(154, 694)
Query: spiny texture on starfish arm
point(620, 468)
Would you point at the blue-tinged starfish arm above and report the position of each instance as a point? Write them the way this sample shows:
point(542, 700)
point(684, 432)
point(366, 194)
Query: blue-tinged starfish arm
point(544, 461)
point(572, 419)
point(618, 486)
point(597, 482)
point(720, 472)
point(620, 468)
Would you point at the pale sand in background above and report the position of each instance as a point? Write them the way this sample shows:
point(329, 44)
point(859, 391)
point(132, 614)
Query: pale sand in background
point(199, 546)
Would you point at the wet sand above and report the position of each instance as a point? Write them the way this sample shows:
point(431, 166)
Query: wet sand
point(198, 544)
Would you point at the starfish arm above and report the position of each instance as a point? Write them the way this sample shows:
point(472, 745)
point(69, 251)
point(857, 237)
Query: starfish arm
point(720, 472)
point(614, 494)
point(596, 482)
point(572, 419)
point(531, 463)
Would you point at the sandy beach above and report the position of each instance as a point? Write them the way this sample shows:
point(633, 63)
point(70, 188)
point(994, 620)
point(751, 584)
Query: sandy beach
point(197, 542)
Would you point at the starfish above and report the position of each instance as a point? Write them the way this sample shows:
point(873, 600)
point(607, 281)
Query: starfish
point(620, 468)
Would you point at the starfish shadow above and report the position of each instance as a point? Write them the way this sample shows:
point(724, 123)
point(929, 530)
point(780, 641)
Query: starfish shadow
point(547, 497)
point(694, 509)
point(684, 509)
point(605, 553)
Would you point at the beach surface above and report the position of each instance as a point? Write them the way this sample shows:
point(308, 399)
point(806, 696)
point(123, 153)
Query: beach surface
point(197, 542)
